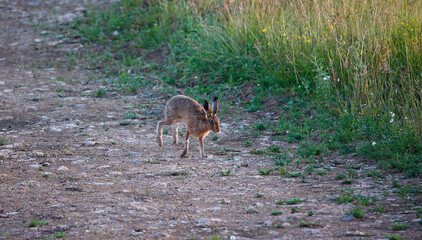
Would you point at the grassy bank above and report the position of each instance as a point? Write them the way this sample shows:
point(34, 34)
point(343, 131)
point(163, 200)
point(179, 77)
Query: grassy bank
point(346, 75)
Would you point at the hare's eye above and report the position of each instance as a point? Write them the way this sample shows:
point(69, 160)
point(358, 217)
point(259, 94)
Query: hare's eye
point(211, 121)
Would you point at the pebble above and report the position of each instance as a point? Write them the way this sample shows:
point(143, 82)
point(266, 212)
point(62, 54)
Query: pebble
point(47, 173)
point(35, 166)
point(202, 222)
point(268, 223)
point(39, 154)
point(2, 82)
point(115, 173)
point(55, 129)
point(63, 168)
point(88, 143)
point(286, 224)
point(79, 105)
point(161, 235)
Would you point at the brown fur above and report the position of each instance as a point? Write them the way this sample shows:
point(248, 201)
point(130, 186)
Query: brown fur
point(199, 120)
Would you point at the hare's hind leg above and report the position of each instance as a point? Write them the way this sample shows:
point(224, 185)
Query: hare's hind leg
point(185, 152)
point(175, 134)
point(160, 125)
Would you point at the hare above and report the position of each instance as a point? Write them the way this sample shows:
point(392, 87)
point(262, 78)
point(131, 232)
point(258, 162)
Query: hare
point(199, 120)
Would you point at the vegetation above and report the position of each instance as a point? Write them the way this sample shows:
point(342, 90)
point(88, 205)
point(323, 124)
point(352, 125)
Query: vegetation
point(343, 72)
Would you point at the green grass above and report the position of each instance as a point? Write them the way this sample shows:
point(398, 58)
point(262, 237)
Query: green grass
point(225, 173)
point(100, 93)
point(343, 77)
point(357, 212)
point(290, 202)
point(60, 234)
point(399, 227)
point(36, 223)
point(275, 213)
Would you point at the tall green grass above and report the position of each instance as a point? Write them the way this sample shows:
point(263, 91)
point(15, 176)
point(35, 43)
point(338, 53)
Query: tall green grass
point(369, 51)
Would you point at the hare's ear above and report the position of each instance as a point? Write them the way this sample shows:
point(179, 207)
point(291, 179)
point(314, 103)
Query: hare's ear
point(215, 105)
point(207, 107)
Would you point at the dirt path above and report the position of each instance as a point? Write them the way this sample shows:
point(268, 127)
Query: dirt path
point(76, 162)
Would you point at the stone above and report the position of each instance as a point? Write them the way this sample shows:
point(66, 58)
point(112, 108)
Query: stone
point(161, 235)
point(88, 143)
point(115, 173)
point(202, 222)
point(55, 129)
point(63, 169)
point(286, 224)
point(35, 166)
point(39, 154)
point(268, 223)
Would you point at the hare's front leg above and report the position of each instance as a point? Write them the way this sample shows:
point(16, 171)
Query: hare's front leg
point(201, 147)
point(185, 152)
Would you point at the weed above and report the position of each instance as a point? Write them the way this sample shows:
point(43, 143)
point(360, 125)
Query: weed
point(214, 138)
point(282, 159)
point(100, 93)
point(294, 174)
point(374, 173)
point(290, 202)
point(275, 213)
point(399, 227)
point(308, 149)
point(131, 115)
point(124, 123)
point(310, 213)
point(352, 173)
point(247, 143)
point(274, 149)
point(2, 141)
point(321, 172)
point(251, 211)
point(260, 126)
point(379, 209)
point(309, 170)
point(294, 210)
point(393, 237)
point(258, 151)
point(407, 190)
point(341, 176)
point(366, 201)
point(284, 171)
point(259, 195)
point(346, 196)
point(265, 172)
point(60, 234)
point(225, 173)
point(307, 224)
point(356, 212)
point(36, 223)
point(348, 181)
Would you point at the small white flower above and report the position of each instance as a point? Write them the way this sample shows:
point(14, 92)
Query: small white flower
point(338, 79)
point(287, 131)
point(115, 33)
point(374, 143)
point(129, 71)
point(405, 118)
point(326, 77)
point(392, 114)
point(232, 237)
point(392, 120)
